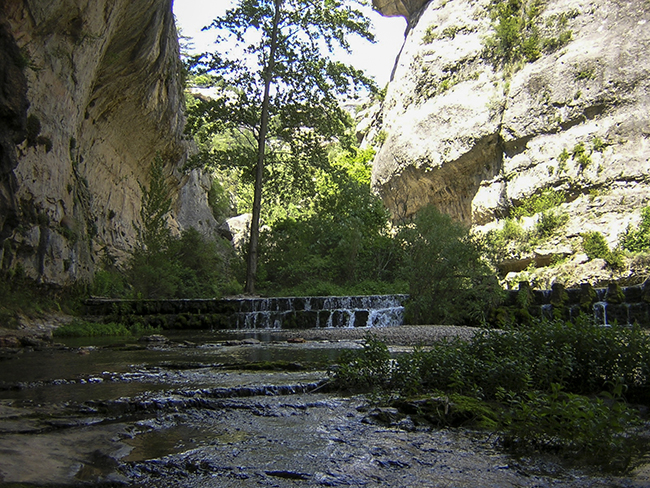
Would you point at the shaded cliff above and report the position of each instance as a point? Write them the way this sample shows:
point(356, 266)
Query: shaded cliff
point(104, 89)
point(493, 103)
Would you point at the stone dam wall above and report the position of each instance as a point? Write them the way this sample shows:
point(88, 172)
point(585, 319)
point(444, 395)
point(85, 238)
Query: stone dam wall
point(255, 313)
point(614, 305)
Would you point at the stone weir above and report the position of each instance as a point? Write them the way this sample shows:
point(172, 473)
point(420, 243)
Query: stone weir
point(612, 305)
point(255, 313)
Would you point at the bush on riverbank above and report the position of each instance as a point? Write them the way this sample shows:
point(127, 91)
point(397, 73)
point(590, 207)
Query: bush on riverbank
point(449, 280)
point(24, 299)
point(553, 386)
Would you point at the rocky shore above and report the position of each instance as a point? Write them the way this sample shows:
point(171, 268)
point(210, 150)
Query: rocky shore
point(38, 333)
point(402, 335)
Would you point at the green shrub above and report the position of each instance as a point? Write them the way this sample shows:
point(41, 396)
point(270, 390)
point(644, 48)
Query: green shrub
point(598, 144)
point(596, 247)
point(638, 240)
point(369, 368)
point(548, 198)
point(520, 35)
point(573, 424)
point(541, 380)
point(449, 282)
point(581, 356)
point(511, 239)
point(110, 283)
point(549, 221)
point(429, 35)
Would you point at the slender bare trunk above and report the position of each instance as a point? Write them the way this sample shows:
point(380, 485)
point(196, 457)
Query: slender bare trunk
point(251, 265)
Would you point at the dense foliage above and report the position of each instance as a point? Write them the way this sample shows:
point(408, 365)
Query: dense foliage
point(339, 244)
point(279, 89)
point(449, 281)
point(553, 385)
point(164, 266)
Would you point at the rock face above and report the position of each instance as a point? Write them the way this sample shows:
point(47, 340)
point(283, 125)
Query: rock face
point(475, 138)
point(105, 97)
point(13, 125)
point(476, 135)
point(398, 8)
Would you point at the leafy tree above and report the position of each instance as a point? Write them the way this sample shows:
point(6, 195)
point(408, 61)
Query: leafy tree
point(279, 90)
point(153, 232)
point(340, 243)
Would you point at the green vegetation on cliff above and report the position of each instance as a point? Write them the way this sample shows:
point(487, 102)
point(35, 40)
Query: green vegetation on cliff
point(520, 34)
point(638, 239)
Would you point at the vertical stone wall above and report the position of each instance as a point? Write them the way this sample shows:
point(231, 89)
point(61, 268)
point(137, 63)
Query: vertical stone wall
point(104, 88)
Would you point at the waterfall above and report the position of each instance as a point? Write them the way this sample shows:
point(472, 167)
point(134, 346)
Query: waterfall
point(308, 312)
point(600, 313)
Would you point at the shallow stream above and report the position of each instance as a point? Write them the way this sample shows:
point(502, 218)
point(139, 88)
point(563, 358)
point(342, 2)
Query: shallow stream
point(188, 413)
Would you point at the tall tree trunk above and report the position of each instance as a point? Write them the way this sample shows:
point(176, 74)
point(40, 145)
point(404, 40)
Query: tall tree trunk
point(251, 265)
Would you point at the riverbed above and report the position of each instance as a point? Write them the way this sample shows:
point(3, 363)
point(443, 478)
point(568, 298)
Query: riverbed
point(185, 410)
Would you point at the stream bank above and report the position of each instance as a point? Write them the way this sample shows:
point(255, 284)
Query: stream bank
point(187, 412)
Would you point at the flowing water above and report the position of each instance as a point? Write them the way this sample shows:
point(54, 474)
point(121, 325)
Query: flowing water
point(188, 413)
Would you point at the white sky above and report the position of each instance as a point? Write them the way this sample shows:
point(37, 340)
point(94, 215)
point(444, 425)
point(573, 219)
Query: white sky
point(376, 60)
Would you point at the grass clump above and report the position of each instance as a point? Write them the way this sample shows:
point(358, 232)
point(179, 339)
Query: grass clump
point(548, 199)
point(83, 328)
point(555, 385)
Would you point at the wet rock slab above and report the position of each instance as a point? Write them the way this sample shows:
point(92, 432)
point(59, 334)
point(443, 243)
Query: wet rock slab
point(321, 440)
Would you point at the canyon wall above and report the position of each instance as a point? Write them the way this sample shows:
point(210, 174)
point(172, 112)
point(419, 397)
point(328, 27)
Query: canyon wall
point(90, 94)
point(477, 126)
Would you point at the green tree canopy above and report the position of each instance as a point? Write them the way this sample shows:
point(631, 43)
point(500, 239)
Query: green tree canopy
point(279, 90)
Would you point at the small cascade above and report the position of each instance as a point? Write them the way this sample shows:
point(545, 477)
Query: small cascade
point(547, 311)
point(255, 313)
point(614, 305)
point(309, 312)
point(600, 313)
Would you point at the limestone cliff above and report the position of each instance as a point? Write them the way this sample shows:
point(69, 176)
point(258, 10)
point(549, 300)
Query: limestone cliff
point(477, 134)
point(91, 95)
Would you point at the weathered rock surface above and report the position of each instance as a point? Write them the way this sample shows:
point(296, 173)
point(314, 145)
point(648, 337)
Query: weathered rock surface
point(13, 125)
point(476, 139)
point(462, 138)
point(105, 97)
point(398, 8)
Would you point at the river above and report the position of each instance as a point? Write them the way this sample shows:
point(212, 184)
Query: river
point(189, 412)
